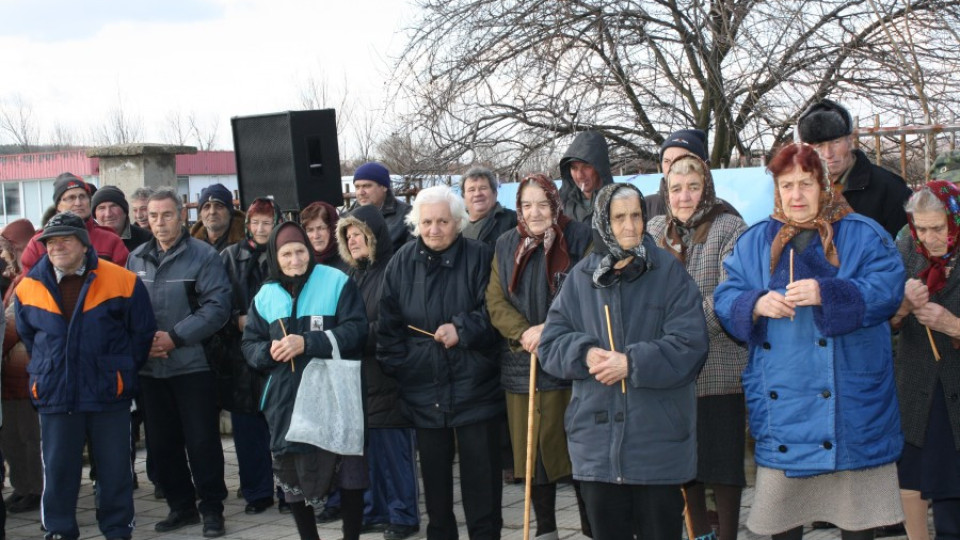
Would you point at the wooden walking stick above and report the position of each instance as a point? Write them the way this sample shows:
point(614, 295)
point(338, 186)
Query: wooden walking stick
point(528, 475)
point(613, 348)
point(791, 272)
point(936, 353)
point(293, 362)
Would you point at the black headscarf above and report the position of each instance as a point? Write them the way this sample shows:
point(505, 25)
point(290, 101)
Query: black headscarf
point(292, 284)
point(606, 245)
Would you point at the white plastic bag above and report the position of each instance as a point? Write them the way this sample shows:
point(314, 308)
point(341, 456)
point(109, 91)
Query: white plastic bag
point(328, 411)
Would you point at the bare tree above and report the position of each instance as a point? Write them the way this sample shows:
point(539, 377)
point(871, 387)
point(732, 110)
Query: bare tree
point(511, 77)
point(62, 137)
point(316, 93)
point(120, 127)
point(192, 130)
point(17, 121)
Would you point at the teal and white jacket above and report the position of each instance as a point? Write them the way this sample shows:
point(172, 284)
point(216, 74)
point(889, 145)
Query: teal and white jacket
point(329, 300)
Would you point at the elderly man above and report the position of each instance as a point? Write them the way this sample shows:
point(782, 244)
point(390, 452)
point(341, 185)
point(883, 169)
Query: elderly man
point(191, 300)
point(85, 326)
point(488, 218)
point(631, 429)
point(871, 190)
point(585, 168)
point(72, 194)
point(111, 209)
point(138, 206)
point(372, 182)
point(220, 224)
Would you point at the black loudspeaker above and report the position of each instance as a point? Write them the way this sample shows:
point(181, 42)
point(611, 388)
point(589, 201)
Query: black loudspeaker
point(292, 156)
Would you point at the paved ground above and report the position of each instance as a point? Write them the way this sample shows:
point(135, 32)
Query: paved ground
point(271, 525)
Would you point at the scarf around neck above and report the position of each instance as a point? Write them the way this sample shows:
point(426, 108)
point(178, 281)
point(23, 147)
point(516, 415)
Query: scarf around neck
point(554, 244)
point(935, 274)
point(680, 235)
point(605, 243)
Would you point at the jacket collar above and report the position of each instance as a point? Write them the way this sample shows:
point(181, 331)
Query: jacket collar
point(152, 251)
point(859, 177)
point(447, 258)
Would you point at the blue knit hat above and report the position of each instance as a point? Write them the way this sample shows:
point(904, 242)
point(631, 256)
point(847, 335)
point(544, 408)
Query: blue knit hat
point(218, 193)
point(373, 171)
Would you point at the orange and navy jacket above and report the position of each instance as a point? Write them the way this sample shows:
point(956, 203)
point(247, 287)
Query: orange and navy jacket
point(89, 364)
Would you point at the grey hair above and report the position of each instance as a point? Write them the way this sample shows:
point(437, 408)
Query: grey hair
point(924, 201)
point(622, 194)
point(163, 193)
point(438, 194)
point(480, 172)
point(142, 193)
point(686, 166)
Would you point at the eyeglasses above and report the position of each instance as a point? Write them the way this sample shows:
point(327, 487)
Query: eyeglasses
point(79, 197)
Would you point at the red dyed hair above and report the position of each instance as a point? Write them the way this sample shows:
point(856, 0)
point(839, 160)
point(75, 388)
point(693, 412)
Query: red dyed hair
point(798, 155)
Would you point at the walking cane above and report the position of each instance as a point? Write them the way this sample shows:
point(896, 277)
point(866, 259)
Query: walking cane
point(529, 473)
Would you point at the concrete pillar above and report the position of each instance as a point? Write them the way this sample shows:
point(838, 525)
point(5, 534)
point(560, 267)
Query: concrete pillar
point(132, 166)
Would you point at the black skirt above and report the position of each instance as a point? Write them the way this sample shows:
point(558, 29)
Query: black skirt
point(933, 470)
point(721, 438)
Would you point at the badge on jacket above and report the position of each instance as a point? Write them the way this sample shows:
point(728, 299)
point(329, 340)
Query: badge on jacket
point(316, 323)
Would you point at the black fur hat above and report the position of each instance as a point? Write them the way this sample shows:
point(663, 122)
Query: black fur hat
point(824, 121)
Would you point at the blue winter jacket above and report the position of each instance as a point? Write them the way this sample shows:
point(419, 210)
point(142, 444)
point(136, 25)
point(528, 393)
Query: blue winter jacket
point(820, 388)
point(89, 364)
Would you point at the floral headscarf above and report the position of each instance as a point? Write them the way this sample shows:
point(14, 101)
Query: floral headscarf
point(935, 275)
point(605, 243)
point(554, 245)
point(678, 237)
point(831, 208)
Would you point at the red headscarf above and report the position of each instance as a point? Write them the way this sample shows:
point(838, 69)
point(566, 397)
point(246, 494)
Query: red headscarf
point(554, 244)
point(935, 275)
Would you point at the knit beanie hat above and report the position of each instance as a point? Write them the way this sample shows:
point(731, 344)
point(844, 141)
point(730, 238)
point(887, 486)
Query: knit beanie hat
point(18, 233)
point(217, 193)
point(67, 181)
point(110, 194)
point(65, 224)
point(287, 235)
point(693, 140)
point(824, 121)
point(373, 171)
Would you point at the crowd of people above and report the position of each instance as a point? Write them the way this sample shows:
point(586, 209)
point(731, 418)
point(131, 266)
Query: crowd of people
point(631, 345)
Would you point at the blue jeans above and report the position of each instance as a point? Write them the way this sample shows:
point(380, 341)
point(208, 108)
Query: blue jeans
point(62, 441)
point(182, 419)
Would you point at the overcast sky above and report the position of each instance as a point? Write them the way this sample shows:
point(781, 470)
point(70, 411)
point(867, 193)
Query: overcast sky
point(75, 61)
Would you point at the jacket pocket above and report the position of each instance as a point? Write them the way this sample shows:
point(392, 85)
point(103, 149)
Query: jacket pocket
point(41, 383)
point(116, 378)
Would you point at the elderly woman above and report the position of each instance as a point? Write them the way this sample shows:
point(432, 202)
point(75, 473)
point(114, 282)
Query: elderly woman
point(435, 337)
point(280, 343)
point(810, 291)
point(631, 423)
point(700, 231)
point(319, 220)
point(927, 365)
point(529, 264)
point(239, 386)
point(365, 246)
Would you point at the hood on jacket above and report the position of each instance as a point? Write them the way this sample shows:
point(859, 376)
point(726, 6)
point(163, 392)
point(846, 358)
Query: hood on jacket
point(273, 267)
point(371, 223)
point(235, 233)
point(589, 147)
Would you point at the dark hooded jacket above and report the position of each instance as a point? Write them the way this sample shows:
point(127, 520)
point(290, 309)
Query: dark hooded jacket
point(383, 393)
point(589, 147)
point(441, 387)
point(877, 193)
point(325, 299)
point(395, 214)
point(238, 385)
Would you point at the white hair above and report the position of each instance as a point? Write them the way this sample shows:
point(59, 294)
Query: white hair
point(438, 194)
point(924, 201)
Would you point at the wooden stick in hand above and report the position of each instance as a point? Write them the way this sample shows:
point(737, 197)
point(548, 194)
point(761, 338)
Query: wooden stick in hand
point(293, 363)
point(623, 382)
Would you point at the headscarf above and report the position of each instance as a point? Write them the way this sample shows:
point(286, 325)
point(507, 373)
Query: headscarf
point(331, 222)
point(694, 231)
point(260, 206)
point(554, 245)
point(278, 237)
point(935, 275)
point(832, 207)
point(605, 243)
